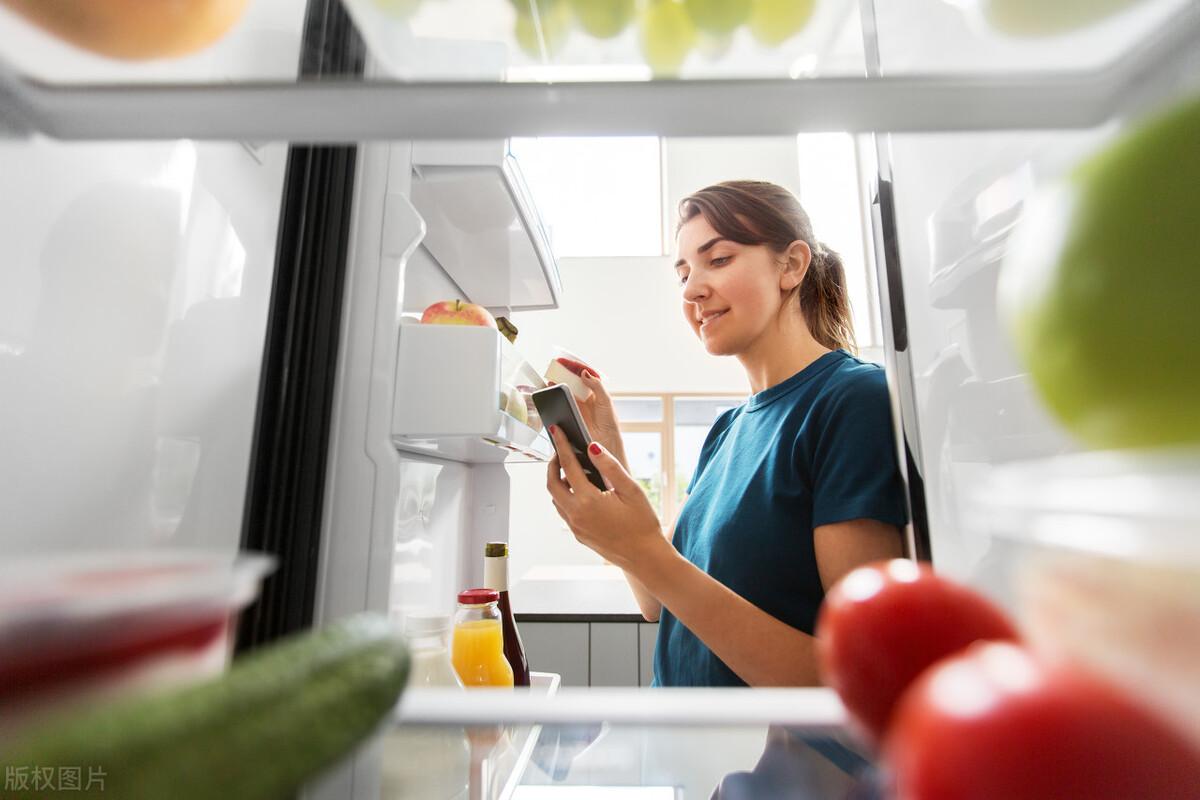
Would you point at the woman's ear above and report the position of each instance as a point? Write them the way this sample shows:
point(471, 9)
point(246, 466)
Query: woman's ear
point(795, 266)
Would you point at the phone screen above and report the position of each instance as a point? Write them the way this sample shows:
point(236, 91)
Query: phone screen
point(556, 406)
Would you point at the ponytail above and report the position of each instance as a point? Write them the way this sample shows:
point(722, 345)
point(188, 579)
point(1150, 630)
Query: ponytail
point(825, 301)
point(758, 212)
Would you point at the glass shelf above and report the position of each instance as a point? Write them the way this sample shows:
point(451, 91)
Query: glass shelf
point(664, 743)
point(468, 68)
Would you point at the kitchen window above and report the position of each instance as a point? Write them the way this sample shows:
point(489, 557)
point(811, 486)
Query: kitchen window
point(597, 196)
point(667, 429)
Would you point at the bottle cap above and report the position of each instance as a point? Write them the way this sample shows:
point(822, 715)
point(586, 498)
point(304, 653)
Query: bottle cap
point(424, 624)
point(495, 549)
point(478, 597)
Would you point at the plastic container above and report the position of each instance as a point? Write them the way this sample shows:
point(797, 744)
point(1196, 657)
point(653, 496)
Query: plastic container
point(85, 625)
point(564, 368)
point(477, 649)
point(1101, 552)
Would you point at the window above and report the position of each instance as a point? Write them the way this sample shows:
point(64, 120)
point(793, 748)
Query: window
point(829, 192)
point(597, 196)
point(663, 434)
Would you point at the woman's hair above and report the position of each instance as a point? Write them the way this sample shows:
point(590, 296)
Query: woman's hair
point(757, 212)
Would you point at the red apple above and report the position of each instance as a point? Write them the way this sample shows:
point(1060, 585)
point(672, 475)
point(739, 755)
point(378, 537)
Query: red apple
point(457, 312)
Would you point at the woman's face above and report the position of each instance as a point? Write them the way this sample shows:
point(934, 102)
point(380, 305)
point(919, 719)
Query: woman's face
point(731, 291)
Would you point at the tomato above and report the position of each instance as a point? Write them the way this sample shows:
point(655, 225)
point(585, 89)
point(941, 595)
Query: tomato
point(994, 723)
point(884, 623)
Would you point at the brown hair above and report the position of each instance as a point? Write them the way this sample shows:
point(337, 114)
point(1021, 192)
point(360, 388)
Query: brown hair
point(757, 212)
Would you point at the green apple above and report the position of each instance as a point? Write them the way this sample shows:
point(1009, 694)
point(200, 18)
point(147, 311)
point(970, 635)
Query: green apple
point(773, 22)
point(1048, 17)
point(554, 17)
point(1101, 289)
point(667, 36)
point(717, 16)
point(603, 19)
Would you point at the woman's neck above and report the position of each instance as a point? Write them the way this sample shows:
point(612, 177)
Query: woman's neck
point(784, 349)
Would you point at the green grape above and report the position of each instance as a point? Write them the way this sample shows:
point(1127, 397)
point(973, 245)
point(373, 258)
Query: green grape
point(555, 18)
point(667, 35)
point(717, 16)
point(1044, 18)
point(401, 9)
point(713, 47)
point(773, 22)
point(603, 19)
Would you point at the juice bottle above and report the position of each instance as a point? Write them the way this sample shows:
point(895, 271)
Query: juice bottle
point(477, 647)
point(495, 576)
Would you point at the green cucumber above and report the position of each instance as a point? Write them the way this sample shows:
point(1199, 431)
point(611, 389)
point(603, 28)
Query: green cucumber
point(278, 717)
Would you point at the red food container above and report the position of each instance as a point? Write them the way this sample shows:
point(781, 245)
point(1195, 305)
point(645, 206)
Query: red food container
point(89, 626)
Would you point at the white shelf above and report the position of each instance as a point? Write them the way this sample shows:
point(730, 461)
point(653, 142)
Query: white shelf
point(447, 405)
point(479, 211)
point(269, 109)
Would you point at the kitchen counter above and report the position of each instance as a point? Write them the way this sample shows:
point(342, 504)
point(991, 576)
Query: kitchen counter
point(574, 593)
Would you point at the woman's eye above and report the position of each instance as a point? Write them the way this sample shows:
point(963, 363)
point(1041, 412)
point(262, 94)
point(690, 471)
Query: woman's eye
point(682, 278)
point(721, 261)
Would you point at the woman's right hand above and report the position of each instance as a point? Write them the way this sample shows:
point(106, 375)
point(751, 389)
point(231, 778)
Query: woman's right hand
point(601, 417)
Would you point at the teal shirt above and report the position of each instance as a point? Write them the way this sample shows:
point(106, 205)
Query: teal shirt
point(816, 449)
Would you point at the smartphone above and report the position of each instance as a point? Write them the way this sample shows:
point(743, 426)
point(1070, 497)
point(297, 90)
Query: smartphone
point(556, 406)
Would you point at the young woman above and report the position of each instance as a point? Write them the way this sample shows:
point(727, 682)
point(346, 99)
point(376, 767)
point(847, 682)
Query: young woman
point(794, 487)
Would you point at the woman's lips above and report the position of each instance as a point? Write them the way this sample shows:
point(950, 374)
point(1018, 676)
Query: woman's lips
point(707, 322)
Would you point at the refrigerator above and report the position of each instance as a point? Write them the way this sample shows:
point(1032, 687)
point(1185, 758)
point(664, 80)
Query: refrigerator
point(214, 261)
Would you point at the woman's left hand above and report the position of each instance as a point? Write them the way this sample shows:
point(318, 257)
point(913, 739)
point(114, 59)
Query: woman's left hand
point(619, 524)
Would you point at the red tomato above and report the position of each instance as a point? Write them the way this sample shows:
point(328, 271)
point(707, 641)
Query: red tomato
point(993, 723)
point(884, 623)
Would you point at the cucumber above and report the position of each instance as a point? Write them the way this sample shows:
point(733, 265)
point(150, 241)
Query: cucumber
point(278, 717)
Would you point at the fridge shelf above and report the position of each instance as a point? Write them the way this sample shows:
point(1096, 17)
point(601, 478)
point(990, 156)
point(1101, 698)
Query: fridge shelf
point(449, 405)
point(244, 87)
point(478, 210)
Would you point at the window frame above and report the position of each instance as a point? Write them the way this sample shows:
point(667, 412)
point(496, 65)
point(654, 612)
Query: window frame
point(665, 428)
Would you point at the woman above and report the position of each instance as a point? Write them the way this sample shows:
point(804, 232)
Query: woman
point(794, 487)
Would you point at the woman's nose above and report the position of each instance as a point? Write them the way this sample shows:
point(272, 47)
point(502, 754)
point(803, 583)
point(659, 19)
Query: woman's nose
point(695, 288)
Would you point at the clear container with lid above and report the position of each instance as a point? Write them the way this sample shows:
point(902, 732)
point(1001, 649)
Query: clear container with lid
point(1099, 553)
point(477, 649)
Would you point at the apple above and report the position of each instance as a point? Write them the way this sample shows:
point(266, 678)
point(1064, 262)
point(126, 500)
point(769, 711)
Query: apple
point(773, 22)
point(1041, 18)
point(457, 312)
point(1100, 289)
point(603, 19)
point(132, 29)
point(667, 35)
point(717, 16)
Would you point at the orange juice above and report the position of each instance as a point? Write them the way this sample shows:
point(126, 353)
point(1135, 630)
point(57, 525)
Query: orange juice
point(477, 648)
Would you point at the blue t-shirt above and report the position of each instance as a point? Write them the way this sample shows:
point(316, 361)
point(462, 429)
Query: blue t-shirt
point(816, 449)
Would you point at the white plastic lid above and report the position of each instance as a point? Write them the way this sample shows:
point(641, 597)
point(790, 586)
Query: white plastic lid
point(1142, 505)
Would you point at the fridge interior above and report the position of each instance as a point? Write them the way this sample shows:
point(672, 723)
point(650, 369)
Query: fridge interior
point(136, 310)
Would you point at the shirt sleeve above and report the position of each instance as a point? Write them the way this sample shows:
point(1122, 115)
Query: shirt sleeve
point(854, 466)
